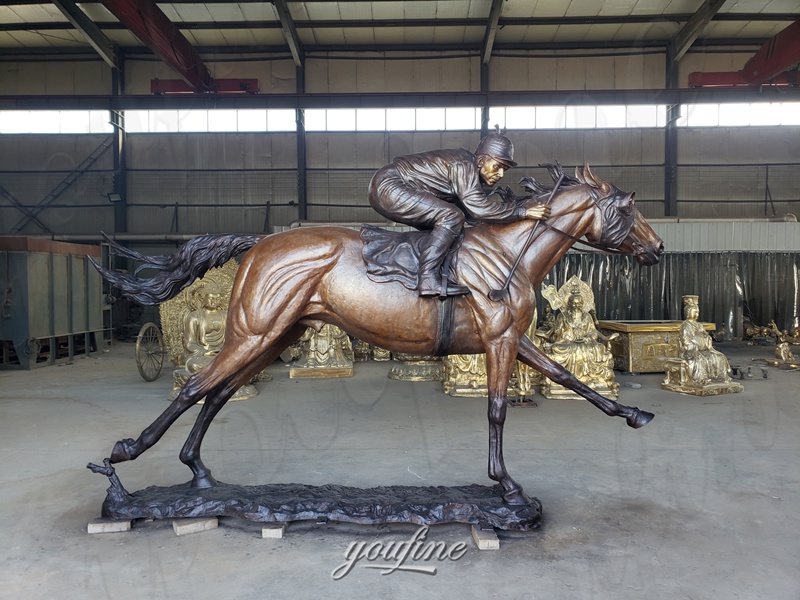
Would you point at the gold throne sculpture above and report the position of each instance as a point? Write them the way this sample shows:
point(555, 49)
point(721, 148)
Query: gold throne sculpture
point(193, 326)
point(575, 343)
point(699, 369)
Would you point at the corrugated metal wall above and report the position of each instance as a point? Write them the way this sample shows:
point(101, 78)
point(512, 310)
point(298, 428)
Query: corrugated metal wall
point(33, 166)
point(733, 286)
point(210, 183)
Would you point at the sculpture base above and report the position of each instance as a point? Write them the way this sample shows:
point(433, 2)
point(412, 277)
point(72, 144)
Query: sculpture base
point(319, 372)
point(408, 367)
point(712, 389)
point(283, 503)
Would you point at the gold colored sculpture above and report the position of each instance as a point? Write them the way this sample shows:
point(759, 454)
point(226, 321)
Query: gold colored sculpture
point(575, 343)
point(699, 369)
point(362, 351)
point(381, 354)
point(782, 350)
point(193, 325)
point(204, 329)
point(324, 353)
point(415, 367)
point(464, 375)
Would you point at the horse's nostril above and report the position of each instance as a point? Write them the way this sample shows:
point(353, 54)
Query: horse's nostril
point(660, 248)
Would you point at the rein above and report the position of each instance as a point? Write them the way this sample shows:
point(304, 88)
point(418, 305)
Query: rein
point(598, 247)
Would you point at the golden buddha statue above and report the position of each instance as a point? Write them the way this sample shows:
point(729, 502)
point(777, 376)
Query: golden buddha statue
point(204, 330)
point(193, 324)
point(575, 342)
point(699, 369)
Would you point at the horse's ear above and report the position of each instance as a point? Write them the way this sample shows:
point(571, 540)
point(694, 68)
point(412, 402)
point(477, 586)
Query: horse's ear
point(627, 203)
point(595, 181)
point(579, 175)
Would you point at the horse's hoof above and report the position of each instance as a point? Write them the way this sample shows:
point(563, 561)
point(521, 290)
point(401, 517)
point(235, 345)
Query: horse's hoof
point(204, 482)
point(516, 498)
point(639, 418)
point(122, 451)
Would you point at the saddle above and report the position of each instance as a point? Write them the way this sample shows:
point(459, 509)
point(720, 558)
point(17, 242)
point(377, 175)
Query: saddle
point(394, 256)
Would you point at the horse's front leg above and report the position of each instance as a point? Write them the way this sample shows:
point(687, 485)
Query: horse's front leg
point(500, 360)
point(533, 357)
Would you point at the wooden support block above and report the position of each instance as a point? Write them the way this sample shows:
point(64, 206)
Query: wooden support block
point(187, 526)
point(273, 530)
point(485, 539)
point(109, 526)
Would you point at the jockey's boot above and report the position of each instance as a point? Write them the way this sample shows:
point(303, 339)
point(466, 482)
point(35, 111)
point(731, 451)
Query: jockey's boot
point(430, 280)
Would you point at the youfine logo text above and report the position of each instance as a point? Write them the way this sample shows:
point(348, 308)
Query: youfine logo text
point(390, 557)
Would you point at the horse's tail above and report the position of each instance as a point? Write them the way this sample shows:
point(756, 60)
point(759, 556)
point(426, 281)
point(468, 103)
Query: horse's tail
point(177, 270)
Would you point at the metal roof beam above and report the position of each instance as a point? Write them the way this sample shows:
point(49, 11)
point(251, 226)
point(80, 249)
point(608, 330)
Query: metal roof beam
point(414, 23)
point(163, 37)
point(403, 100)
point(102, 45)
point(491, 30)
point(289, 31)
point(693, 28)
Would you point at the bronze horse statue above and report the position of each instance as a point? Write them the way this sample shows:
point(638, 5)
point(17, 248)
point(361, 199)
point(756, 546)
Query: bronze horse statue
point(307, 277)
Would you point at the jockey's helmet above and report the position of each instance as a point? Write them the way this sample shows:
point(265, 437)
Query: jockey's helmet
point(498, 147)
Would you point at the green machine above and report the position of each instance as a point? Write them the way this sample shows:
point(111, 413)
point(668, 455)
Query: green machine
point(51, 303)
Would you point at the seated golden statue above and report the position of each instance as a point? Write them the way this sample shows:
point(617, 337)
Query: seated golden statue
point(324, 353)
point(204, 330)
point(193, 325)
point(699, 369)
point(575, 343)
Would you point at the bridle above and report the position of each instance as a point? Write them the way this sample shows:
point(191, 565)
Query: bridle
point(610, 240)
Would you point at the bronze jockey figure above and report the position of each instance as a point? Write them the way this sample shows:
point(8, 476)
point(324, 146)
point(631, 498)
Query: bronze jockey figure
point(433, 190)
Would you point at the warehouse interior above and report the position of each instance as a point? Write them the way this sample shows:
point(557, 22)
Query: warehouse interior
point(154, 123)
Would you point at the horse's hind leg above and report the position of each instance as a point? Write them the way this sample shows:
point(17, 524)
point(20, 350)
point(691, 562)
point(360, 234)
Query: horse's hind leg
point(190, 453)
point(199, 385)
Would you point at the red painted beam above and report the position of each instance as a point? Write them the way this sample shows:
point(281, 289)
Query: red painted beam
point(162, 36)
point(774, 57)
point(221, 86)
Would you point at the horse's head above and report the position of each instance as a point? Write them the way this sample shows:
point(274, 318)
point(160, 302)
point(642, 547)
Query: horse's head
point(621, 226)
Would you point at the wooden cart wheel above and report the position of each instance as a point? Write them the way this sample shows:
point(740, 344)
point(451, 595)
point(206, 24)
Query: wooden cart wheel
point(149, 351)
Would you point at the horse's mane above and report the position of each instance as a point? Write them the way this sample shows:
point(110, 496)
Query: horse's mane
point(537, 188)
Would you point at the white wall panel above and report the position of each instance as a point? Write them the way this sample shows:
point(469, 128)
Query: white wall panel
point(410, 73)
point(56, 77)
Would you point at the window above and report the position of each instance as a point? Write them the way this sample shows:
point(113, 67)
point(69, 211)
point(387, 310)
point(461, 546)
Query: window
point(55, 121)
point(401, 119)
point(761, 114)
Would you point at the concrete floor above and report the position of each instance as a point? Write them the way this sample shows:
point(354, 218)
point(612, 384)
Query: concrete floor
point(702, 503)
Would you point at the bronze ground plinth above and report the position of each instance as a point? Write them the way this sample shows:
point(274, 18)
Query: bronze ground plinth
point(283, 503)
